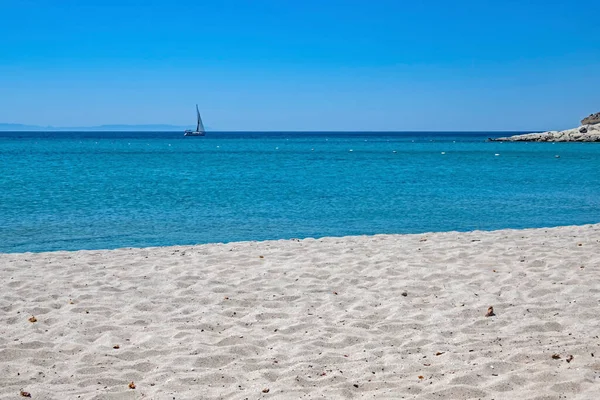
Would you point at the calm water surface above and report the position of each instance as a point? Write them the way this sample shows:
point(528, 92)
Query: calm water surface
point(85, 190)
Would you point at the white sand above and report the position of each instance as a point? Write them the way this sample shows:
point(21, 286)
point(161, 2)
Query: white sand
point(312, 319)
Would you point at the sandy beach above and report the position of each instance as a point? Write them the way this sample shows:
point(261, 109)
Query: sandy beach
point(383, 317)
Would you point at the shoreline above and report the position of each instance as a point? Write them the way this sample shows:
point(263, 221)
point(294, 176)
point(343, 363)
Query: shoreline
point(189, 246)
point(341, 317)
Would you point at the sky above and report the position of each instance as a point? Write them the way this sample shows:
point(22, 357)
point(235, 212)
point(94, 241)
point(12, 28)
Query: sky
point(321, 65)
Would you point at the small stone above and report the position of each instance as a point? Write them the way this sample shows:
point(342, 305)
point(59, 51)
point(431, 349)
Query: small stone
point(266, 390)
point(404, 294)
point(570, 358)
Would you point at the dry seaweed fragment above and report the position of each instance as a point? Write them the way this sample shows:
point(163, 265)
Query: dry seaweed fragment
point(439, 353)
point(421, 377)
point(490, 312)
point(131, 385)
point(570, 358)
point(24, 394)
point(266, 390)
point(32, 319)
point(116, 346)
point(555, 356)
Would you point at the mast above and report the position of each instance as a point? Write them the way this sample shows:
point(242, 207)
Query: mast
point(199, 125)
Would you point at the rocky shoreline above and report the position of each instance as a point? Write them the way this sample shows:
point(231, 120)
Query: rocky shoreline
point(589, 131)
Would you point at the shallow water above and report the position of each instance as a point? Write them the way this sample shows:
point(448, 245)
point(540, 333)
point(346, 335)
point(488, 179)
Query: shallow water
point(85, 190)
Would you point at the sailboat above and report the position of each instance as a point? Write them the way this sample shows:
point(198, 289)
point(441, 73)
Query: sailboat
point(199, 127)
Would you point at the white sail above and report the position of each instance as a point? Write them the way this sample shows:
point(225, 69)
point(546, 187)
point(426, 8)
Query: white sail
point(200, 125)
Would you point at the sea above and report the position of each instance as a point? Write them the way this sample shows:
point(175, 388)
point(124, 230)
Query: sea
point(106, 190)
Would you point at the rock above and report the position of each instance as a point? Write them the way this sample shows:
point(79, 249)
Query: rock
point(591, 119)
point(589, 133)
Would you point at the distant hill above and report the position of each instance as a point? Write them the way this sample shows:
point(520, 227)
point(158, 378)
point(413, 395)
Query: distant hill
point(19, 127)
point(99, 128)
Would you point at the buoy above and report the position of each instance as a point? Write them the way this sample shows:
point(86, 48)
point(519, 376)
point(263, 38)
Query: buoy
point(394, 151)
point(496, 154)
point(557, 156)
point(443, 152)
point(350, 150)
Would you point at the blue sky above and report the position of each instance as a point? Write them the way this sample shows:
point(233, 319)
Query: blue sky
point(301, 65)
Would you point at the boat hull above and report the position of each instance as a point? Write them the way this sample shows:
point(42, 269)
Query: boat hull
point(194, 134)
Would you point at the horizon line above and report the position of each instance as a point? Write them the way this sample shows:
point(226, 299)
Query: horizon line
point(66, 130)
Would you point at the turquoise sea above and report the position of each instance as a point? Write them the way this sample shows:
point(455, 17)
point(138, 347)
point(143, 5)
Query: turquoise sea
point(100, 190)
